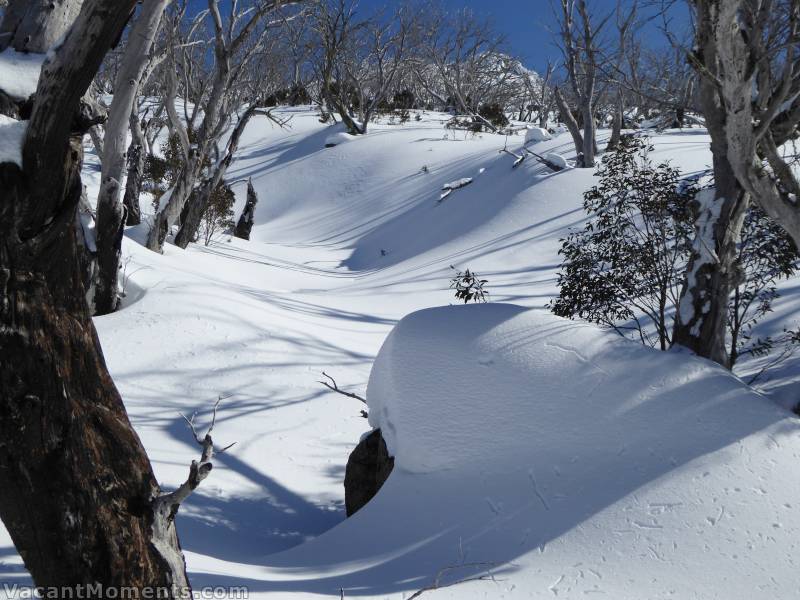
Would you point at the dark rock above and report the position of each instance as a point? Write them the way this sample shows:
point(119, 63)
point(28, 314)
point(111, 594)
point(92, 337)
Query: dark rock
point(368, 468)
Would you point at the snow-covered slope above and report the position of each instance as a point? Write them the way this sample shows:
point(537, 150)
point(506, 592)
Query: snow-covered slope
point(348, 241)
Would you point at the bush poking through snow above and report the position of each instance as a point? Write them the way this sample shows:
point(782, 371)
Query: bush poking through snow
point(624, 269)
point(218, 216)
point(469, 286)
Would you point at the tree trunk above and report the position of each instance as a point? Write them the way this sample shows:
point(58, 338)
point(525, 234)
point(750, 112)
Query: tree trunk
point(110, 211)
point(77, 487)
point(589, 141)
point(179, 194)
point(616, 127)
point(246, 221)
point(198, 202)
point(36, 25)
point(192, 214)
point(712, 274)
point(572, 125)
point(133, 183)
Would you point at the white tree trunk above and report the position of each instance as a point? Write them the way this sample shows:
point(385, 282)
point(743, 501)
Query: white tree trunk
point(110, 211)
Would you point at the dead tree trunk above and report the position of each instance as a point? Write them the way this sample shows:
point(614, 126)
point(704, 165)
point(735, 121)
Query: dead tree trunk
point(77, 487)
point(572, 125)
point(198, 203)
point(246, 221)
point(133, 184)
point(110, 210)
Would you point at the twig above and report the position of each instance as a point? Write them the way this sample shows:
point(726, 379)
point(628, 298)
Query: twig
point(437, 582)
point(335, 388)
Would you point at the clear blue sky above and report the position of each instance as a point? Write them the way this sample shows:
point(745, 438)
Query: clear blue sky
point(528, 23)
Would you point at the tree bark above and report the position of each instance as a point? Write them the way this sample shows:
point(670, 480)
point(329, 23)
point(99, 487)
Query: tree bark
point(36, 25)
point(572, 125)
point(198, 203)
point(110, 210)
point(246, 221)
point(712, 274)
point(77, 487)
point(136, 162)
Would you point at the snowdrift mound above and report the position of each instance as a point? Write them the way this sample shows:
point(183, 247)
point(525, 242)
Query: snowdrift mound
point(566, 460)
point(536, 134)
point(493, 385)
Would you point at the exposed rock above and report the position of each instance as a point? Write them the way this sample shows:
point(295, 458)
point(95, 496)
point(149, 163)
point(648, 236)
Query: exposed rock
point(368, 468)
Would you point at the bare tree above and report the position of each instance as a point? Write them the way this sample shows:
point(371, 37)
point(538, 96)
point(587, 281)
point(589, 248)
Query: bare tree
point(358, 62)
point(464, 63)
point(79, 496)
point(238, 38)
point(580, 44)
point(745, 54)
point(110, 209)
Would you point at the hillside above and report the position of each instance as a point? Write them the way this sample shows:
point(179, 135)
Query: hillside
point(617, 469)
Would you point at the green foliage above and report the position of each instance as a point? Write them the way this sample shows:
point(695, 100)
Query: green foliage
point(495, 114)
point(469, 286)
point(218, 216)
point(161, 172)
point(766, 255)
point(624, 268)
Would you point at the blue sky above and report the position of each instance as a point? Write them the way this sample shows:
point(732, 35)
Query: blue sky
point(528, 23)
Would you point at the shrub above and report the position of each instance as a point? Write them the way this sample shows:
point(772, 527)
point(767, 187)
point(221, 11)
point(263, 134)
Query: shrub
point(218, 215)
point(468, 286)
point(624, 268)
point(494, 113)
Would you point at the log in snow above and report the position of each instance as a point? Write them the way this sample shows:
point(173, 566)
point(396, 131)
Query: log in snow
point(449, 188)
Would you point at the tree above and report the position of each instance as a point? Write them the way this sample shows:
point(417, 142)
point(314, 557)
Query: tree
point(748, 51)
point(79, 496)
point(623, 269)
point(463, 63)
point(238, 39)
point(358, 61)
point(110, 209)
point(581, 50)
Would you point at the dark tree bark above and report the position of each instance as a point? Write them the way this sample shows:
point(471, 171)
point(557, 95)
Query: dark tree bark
point(78, 493)
point(133, 184)
point(572, 125)
point(246, 221)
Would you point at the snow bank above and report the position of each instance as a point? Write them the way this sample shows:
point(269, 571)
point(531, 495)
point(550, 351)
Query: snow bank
point(556, 159)
point(537, 134)
point(495, 385)
point(12, 133)
point(19, 73)
point(338, 138)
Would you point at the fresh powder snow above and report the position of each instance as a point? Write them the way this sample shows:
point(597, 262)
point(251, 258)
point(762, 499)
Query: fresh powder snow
point(561, 459)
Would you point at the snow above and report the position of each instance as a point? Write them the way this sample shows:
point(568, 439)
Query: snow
point(341, 137)
point(19, 73)
point(536, 134)
point(576, 461)
point(556, 159)
point(12, 135)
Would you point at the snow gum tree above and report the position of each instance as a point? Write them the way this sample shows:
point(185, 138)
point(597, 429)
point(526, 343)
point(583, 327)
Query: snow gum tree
point(745, 54)
point(79, 497)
